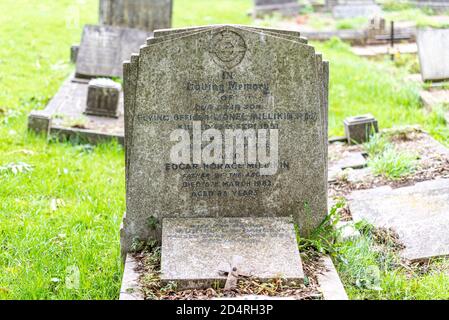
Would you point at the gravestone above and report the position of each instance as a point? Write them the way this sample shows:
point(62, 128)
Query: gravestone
point(147, 15)
point(104, 48)
point(439, 6)
point(284, 7)
point(419, 214)
point(433, 50)
point(218, 142)
point(347, 9)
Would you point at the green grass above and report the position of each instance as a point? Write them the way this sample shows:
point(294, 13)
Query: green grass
point(386, 161)
point(63, 210)
point(393, 164)
point(374, 271)
point(353, 23)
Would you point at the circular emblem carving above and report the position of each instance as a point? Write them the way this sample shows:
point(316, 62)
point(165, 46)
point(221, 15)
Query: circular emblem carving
point(228, 49)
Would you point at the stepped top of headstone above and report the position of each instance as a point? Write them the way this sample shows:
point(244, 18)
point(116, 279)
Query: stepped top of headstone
point(147, 15)
point(191, 94)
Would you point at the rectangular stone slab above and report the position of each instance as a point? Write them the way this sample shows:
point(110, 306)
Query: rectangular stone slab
point(194, 251)
point(433, 50)
point(419, 214)
point(103, 50)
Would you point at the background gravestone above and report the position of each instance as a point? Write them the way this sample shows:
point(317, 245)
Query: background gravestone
point(285, 7)
point(104, 48)
point(346, 9)
point(433, 50)
point(146, 15)
point(263, 96)
point(436, 5)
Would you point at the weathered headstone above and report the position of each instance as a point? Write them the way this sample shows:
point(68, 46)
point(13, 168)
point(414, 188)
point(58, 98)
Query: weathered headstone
point(419, 214)
point(104, 48)
point(433, 50)
point(214, 131)
point(147, 15)
point(285, 7)
point(346, 9)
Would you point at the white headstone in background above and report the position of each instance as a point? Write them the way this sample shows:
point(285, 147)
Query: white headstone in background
point(433, 49)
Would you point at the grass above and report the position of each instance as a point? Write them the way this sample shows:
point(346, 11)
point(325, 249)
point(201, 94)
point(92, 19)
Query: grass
point(393, 164)
point(385, 160)
point(371, 268)
point(374, 271)
point(61, 205)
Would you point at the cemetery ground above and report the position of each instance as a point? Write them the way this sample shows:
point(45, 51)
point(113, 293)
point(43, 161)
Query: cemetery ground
point(61, 204)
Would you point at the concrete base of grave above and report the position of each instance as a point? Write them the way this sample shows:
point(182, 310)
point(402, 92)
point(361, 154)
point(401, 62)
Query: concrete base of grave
point(329, 281)
point(64, 117)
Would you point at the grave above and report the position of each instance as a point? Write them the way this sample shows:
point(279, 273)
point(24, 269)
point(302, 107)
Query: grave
point(284, 7)
point(418, 213)
point(224, 157)
point(347, 9)
point(71, 114)
point(147, 15)
point(433, 50)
